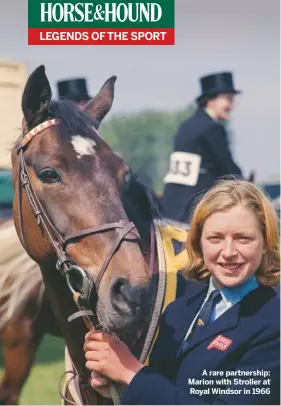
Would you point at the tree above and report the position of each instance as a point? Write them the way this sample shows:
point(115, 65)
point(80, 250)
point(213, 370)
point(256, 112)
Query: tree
point(145, 140)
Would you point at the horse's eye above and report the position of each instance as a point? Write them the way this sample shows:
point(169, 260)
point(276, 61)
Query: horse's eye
point(48, 175)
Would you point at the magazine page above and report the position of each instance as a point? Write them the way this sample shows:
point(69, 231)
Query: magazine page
point(140, 202)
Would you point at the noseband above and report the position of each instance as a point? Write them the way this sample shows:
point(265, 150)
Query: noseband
point(65, 264)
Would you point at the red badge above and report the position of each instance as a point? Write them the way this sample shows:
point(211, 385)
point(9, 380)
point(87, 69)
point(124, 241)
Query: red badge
point(220, 342)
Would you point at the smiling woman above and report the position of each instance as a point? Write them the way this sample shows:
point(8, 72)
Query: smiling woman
point(234, 226)
point(229, 324)
point(232, 245)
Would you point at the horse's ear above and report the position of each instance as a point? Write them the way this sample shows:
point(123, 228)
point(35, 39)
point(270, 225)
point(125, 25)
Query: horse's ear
point(37, 94)
point(100, 105)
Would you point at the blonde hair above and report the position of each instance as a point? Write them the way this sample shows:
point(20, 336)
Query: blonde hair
point(223, 196)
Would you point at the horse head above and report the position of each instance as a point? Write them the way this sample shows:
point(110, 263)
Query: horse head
point(71, 204)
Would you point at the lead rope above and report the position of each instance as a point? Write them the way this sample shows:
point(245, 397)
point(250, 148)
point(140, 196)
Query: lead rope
point(160, 296)
point(114, 392)
point(85, 314)
point(67, 383)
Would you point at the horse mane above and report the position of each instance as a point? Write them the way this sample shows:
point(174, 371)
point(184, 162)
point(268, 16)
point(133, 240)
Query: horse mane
point(19, 275)
point(76, 120)
point(140, 204)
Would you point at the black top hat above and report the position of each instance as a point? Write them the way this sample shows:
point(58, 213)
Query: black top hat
point(216, 83)
point(73, 89)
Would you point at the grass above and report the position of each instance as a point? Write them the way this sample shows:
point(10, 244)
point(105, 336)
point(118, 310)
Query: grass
point(41, 387)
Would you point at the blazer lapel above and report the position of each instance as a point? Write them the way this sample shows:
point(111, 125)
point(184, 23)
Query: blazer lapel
point(186, 313)
point(226, 321)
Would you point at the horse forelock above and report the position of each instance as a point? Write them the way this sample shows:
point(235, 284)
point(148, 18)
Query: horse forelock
point(75, 120)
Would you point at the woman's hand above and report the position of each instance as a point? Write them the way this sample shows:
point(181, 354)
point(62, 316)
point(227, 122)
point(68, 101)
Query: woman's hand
point(110, 357)
point(101, 384)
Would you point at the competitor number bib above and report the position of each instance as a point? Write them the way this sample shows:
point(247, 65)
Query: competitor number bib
point(184, 169)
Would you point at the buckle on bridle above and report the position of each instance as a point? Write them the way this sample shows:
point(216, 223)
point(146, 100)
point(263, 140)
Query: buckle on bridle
point(23, 178)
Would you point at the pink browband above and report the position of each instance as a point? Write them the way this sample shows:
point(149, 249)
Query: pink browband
point(38, 129)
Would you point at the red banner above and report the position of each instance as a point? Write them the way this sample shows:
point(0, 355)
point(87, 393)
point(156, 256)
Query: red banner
point(116, 36)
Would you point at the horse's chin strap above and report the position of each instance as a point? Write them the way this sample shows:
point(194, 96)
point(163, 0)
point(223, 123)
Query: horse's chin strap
point(85, 313)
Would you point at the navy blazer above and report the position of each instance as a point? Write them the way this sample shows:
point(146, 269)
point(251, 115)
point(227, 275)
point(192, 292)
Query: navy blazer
point(244, 338)
point(203, 136)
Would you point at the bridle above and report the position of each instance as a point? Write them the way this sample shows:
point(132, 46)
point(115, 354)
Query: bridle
point(65, 264)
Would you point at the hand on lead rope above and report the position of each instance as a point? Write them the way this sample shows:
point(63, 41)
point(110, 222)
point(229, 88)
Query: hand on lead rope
point(101, 384)
point(110, 358)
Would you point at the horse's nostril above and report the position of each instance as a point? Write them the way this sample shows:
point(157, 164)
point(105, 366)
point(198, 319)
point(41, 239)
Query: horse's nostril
point(119, 289)
point(125, 298)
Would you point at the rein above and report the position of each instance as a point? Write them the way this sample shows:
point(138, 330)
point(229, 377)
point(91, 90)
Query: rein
point(65, 264)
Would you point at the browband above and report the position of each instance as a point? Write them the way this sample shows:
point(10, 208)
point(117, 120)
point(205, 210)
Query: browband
point(38, 129)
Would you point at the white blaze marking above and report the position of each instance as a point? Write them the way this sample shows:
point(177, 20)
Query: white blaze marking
point(83, 146)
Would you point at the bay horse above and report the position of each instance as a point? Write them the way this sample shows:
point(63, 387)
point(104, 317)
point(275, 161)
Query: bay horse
point(25, 313)
point(73, 207)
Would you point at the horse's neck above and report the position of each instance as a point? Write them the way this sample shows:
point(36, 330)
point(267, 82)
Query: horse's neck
point(63, 306)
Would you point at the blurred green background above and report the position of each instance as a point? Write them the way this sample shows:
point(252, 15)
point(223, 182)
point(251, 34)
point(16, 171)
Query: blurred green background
point(41, 388)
